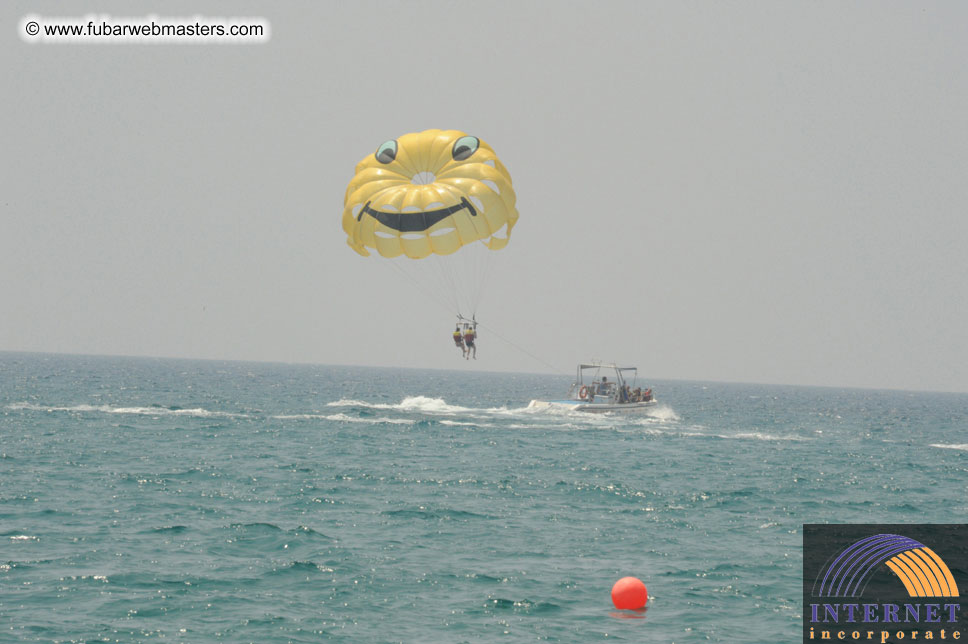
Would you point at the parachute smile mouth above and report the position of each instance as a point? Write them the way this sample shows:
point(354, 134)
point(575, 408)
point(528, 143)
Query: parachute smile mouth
point(408, 222)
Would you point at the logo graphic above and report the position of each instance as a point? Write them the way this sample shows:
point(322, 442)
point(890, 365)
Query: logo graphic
point(922, 572)
point(884, 583)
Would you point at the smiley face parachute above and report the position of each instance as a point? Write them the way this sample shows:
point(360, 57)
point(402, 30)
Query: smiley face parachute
point(436, 203)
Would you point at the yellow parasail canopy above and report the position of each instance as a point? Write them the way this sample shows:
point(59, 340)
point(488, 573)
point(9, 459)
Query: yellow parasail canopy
point(427, 193)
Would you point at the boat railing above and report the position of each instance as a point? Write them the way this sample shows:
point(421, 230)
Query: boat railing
point(594, 391)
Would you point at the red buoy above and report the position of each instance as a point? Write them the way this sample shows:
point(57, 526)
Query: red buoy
point(629, 593)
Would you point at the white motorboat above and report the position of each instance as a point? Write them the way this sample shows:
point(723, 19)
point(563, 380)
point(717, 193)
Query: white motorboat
point(592, 393)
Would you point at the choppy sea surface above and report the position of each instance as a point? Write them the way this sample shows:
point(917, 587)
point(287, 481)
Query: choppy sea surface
point(147, 500)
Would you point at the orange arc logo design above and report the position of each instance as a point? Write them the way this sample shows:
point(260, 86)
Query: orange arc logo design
point(923, 573)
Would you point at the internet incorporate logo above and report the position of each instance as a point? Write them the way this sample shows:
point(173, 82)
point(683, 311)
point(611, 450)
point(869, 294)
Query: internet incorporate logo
point(884, 583)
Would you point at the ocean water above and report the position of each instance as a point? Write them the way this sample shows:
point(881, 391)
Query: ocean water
point(148, 500)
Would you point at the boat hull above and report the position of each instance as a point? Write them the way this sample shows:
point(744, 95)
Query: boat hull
point(593, 407)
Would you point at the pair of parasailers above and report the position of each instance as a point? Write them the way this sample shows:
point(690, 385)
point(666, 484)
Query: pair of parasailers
point(465, 339)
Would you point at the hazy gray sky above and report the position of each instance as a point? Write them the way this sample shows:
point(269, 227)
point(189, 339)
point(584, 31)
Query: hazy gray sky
point(745, 191)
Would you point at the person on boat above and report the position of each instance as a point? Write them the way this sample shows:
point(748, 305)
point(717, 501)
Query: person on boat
point(470, 335)
point(647, 395)
point(627, 394)
point(459, 341)
point(603, 386)
point(637, 394)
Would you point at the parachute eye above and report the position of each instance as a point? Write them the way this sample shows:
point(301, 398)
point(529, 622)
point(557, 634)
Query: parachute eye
point(465, 146)
point(387, 152)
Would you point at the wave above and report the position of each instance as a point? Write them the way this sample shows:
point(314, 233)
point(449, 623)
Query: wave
point(440, 514)
point(265, 529)
point(169, 529)
point(457, 423)
point(196, 412)
point(257, 526)
point(555, 426)
point(346, 419)
point(526, 606)
point(958, 446)
point(306, 531)
point(757, 436)
point(301, 568)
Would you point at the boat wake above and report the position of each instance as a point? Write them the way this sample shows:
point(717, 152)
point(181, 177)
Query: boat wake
point(958, 446)
point(412, 411)
point(152, 410)
point(410, 403)
point(444, 413)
